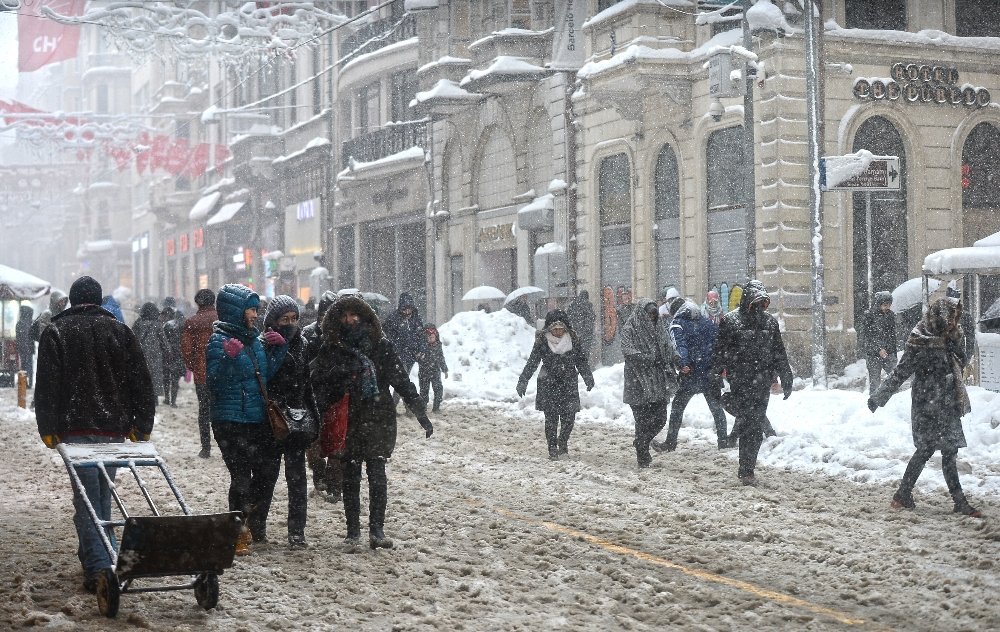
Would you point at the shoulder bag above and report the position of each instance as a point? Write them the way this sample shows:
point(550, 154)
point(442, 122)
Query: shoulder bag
point(275, 416)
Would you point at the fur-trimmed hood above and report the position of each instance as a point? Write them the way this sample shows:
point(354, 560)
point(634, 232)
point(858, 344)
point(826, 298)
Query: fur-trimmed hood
point(350, 303)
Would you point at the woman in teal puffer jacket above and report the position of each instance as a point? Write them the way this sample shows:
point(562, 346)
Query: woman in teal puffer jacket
point(235, 353)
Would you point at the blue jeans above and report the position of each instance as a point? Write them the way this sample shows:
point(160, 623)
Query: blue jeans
point(92, 552)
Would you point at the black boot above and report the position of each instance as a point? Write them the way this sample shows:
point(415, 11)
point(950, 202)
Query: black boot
point(963, 507)
point(566, 428)
point(552, 435)
point(376, 517)
point(352, 512)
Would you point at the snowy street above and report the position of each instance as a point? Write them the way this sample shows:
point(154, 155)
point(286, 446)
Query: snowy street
point(492, 535)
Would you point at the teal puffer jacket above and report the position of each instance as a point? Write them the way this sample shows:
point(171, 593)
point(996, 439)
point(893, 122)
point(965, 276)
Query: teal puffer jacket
point(236, 396)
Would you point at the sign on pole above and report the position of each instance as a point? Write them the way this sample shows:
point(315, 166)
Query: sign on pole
point(859, 172)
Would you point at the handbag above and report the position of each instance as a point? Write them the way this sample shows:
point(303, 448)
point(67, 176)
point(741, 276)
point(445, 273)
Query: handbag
point(275, 416)
point(333, 439)
point(303, 427)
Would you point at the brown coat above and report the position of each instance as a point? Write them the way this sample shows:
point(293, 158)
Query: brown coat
point(194, 340)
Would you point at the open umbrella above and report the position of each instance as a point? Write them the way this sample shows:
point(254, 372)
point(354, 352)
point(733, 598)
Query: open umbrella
point(483, 293)
point(527, 290)
point(375, 296)
point(910, 293)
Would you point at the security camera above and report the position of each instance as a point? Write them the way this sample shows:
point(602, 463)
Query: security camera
point(716, 110)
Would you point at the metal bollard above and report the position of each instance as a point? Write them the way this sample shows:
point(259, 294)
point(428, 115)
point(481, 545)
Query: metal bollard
point(22, 389)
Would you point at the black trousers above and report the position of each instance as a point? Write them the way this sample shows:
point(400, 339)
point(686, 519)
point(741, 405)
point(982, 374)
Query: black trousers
point(28, 365)
point(649, 421)
point(875, 367)
point(949, 467)
point(430, 379)
point(749, 428)
point(204, 415)
point(171, 384)
point(558, 427)
point(254, 463)
point(680, 402)
point(377, 493)
point(295, 478)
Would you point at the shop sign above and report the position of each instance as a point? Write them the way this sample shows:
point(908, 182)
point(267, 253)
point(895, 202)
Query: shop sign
point(170, 248)
point(922, 83)
point(500, 232)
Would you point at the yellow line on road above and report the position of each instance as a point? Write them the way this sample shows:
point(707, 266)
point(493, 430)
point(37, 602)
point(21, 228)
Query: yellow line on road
point(765, 593)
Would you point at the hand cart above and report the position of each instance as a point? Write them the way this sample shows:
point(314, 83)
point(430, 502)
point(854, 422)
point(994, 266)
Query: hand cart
point(155, 546)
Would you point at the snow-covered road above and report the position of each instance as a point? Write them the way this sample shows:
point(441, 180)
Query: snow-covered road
point(491, 535)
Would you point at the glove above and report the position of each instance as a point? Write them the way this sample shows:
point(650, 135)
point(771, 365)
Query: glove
point(426, 424)
point(590, 386)
point(50, 441)
point(232, 347)
point(135, 436)
point(872, 406)
point(788, 393)
point(273, 338)
point(521, 388)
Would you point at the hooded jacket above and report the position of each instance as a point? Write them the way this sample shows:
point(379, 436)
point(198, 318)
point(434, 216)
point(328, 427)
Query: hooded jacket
point(92, 377)
point(371, 427)
point(405, 334)
point(694, 338)
point(312, 334)
point(57, 303)
point(149, 331)
point(290, 385)
point(582, 317)
point(195, 334)
point(432, 361)
point(557, 389)
point(112, 305)
point(22, 332)
point(236, 396)
point(650, 360)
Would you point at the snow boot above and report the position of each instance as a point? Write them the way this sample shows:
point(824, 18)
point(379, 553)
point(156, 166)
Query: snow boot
point(903, 501)
point(352, 513)
point(376, 517)
point(243, 541)
point(963, 507)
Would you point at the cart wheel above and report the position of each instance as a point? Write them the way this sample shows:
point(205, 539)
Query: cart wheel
point(206, 591)
point(108, 593)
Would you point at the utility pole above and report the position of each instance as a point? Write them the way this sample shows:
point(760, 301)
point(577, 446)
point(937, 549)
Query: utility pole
point(814, 122)
point(749, 158)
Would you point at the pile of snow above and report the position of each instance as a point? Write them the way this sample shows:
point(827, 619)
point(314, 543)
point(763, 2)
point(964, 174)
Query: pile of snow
point(485, 354)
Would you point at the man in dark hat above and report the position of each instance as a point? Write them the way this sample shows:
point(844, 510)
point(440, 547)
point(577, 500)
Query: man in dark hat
point(76, 403)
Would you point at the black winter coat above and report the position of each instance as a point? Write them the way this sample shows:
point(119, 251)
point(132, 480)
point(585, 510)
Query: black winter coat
point(879, 332)
point(291, 385)
point(558, 389)
point(406, 334)
point(431, 361)
point(92, 377)
point(371, 427)
point(22, 333)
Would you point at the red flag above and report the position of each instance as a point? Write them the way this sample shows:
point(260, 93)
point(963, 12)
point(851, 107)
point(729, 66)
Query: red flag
point(198, 161)
point(177, 157)
point(142, 152)
point(160, 152)
point(221, 155)
point(42, 41)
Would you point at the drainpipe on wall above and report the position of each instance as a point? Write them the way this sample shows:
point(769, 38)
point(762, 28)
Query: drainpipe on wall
point(571, 180)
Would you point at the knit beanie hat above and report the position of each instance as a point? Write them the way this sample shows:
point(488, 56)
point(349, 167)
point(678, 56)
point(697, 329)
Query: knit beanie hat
point(278, 307)
point(675, 304)
point(204, 297)
point(85, 291)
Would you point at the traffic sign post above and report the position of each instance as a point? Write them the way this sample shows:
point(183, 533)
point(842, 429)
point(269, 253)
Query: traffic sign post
point(850, 173)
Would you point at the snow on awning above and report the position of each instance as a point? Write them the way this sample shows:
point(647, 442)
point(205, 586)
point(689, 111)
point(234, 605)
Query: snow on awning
point(362, 171)
point(204, 206)
point(969, 260)
point(226, 213)
point(18, 285)
point(504, 68)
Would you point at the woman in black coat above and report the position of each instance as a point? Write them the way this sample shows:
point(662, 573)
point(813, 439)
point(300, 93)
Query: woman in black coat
point(149, 330)
point(291, 387)
point(935, 356)
point(557, 349)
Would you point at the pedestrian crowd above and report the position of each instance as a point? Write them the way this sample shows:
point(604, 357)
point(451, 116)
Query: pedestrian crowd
point(332, 373)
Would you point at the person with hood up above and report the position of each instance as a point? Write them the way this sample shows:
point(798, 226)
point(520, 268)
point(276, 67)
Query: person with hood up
point(430, 366)
point(290, 386)
point(93, 387)
point(195, 334)
point(650, 375)
point(694, 338)
point(238, 363)
point(557, 394)
point(712, 307)
point(25, 345)
point(749, 352)
point(935, 356)
point(404, 329)
point(878, 339)
point(327, 472)
point(173, 362)
point(57, 303)
point(356, 360)
point(111, 304)
point(583, 320)
point(149, 330)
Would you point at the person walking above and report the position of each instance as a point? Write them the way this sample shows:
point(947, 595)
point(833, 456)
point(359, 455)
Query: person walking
point(694, 338)
point(934, 355)
point(327, 471)
point(557, 395)
point(583, 320)
point(650, 375)
point(878, 339)
point(356, 360)
point(195, 334)
point(111, 304)
point(238, 364)
point(290, 387)
point(149, 330)
point(173, 361)
point(430, 366)
point(404, 329)
point(712, 307)
point(57, 303)
point(93, 387)
point(520, 307)
point(25, 345)
point(749, 352)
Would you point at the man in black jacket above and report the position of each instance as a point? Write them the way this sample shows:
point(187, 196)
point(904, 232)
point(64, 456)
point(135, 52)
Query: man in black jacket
point(749, 352)
point(878, 339)
point(92, 386)
point(405, 330)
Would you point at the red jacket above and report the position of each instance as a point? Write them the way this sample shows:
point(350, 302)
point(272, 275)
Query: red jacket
point(194, 340)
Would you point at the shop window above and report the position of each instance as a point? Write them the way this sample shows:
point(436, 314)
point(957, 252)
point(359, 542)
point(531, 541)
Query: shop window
point(727, 213)
point(981, 167)
point(726, 178)
point(885, 15)
point(666, 219)
point(615, 190)
point(403, 89)
point(496, 176)
point(977, 18)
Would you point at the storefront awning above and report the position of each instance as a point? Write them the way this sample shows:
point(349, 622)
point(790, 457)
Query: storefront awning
point(204, 206)
point(225, 213)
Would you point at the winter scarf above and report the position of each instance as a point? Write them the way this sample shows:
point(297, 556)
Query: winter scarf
point(934, 331)
point(357, 340)
point(710, 311)
point(559, 346)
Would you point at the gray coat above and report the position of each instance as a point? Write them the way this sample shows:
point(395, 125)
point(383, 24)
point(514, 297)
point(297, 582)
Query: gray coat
point(934, 356)
point(650, 360)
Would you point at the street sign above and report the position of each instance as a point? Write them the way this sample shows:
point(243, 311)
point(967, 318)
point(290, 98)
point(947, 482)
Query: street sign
point(845, 173)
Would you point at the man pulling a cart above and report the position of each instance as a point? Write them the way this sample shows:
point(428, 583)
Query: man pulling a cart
point(92, 386)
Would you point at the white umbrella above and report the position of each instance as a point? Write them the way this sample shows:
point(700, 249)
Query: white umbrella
point(483, 293)
point(375, 296)
point(910, 293)
point(348, 290)
point(523, 291)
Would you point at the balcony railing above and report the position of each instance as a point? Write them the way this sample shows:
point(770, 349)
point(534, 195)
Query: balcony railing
point(387, 141)
point(376, 35)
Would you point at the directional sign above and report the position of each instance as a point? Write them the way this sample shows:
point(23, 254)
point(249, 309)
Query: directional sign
point(881, 174)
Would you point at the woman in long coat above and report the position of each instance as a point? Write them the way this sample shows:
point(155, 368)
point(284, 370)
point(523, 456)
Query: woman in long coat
point(934, 355)
point(149, 330)
point(357, 360)
point(557, 348)
point(650, 375)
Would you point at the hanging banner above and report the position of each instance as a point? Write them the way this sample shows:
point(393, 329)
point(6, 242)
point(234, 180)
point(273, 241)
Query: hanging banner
point(567, 41)
point(42, 41)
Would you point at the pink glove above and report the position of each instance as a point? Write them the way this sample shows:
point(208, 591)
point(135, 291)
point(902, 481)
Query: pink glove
point(232, 347)
point(273, 338)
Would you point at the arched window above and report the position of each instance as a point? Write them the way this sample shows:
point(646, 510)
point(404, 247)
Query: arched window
point(666, 219)
point(727, 208)
point(888, 253)
point(981, 195)
point(884, 15)
point(614, 193)
point(497, 177)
